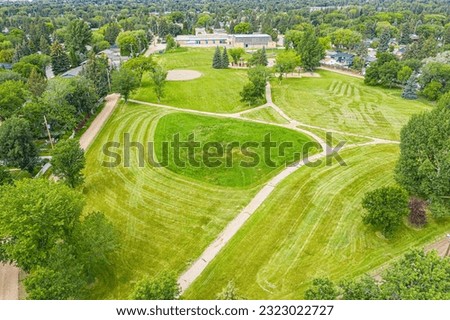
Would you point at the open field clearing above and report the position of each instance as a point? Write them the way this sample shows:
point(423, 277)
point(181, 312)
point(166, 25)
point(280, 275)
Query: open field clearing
point(165, 220)
point(344, 103)
point(239, 157)
point(311, 226)
point(216, 90)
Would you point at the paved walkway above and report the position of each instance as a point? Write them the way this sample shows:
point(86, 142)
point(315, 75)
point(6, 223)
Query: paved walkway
point(9, 282)
point(88, 137)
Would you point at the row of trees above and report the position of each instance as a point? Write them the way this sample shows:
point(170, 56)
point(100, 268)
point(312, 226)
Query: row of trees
point(42, 232)
point(423, 173)
point(417, 276)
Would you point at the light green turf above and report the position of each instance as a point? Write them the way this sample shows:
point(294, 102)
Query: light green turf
point(311, 226)
point(336, 137)
point(233, 166)
point(216, 90)
point(265, 114)
point(345, 103)
point(165, 220)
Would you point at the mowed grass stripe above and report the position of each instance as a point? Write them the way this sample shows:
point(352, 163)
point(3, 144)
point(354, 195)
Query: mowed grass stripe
point(311, 226)
point(164, 220)
point(345, 103)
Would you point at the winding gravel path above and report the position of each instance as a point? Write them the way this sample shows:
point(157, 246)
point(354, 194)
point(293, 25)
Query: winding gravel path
point(88, 137)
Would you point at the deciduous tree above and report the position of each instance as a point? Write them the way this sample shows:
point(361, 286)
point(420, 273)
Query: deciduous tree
point(68, 162)
point(385, 207)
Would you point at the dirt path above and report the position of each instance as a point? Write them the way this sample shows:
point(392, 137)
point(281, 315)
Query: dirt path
point(96, 125)
point(441, 246)
point(9, 282)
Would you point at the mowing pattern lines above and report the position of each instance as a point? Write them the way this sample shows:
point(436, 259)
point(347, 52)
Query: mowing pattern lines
point(165, 220)
point(310, 226)
point(343, 103)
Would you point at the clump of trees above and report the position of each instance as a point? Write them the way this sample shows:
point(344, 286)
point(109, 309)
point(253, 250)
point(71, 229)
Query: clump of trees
point(417, 276)
point(68, 162)
point(286, 62)
point(308, 46)
point(423, 168)
point(236, 54)
point(259, 58)
point(385, 208)
point(254, 92)
point(163, 287)
point(220, 59)
point(43, 234)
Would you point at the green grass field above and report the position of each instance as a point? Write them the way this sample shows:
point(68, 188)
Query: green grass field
point(309, 227)
point(345, 103)
point(165, 220)
point(265, 114)
point(216, 90)
point(231, 163)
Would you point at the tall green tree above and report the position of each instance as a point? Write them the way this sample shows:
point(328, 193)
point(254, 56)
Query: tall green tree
point(384, 41)
point(310, 50)
point(423, 168)
point(97, 70)
point(254, 91)
point(385, 208)
point(410, 90)
point(286, 62)
point(164, 287)
point(38, 215)
point(225, 61)
point(78, 36)
point(243, 28)
point(36, 84)
point(68, 161)
point(111, 32)
point(44, 46)
point(125, 81)
point(13, 95)
point(159, 76)
point(259, 58)
point(236, 54)
point(217, 59)
point(60, 60)
point(17, 147)
point(170, 43)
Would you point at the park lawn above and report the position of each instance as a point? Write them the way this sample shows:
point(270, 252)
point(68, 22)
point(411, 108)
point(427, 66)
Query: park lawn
point(336, 137)
point(345, 103)
point(231, 163)
point(310, 227)
point(265, 114)
point(164, 220)
point(216, 90)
